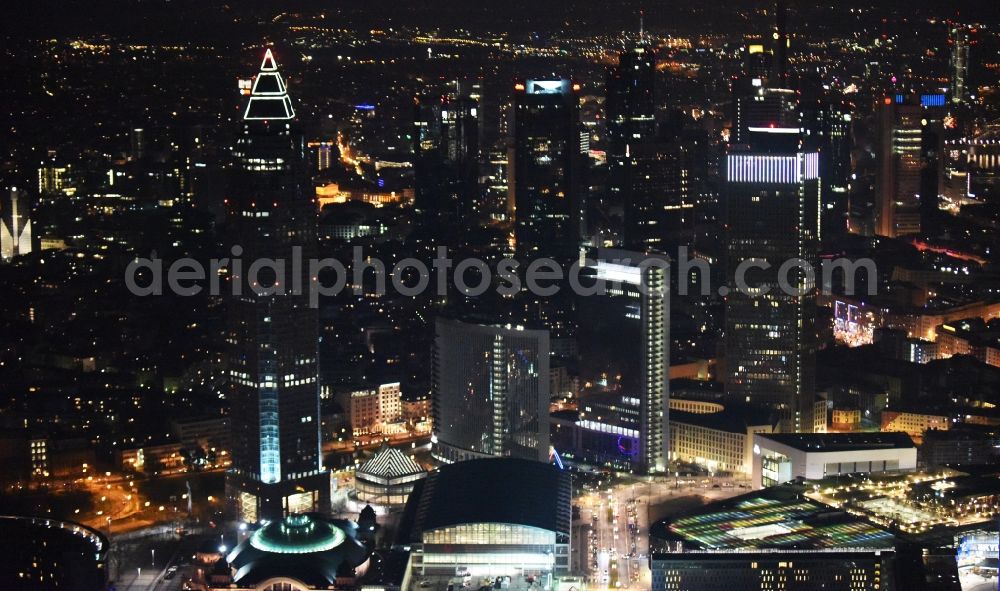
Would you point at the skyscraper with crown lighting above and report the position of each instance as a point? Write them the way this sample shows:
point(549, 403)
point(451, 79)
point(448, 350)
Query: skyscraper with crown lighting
point(272, 332)
point(772, 207)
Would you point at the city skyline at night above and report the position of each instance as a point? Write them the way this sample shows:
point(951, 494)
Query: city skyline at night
point(558, 296)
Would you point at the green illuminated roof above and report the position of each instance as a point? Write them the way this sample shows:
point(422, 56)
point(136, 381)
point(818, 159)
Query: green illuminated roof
point(297, 534)
point(761, 522)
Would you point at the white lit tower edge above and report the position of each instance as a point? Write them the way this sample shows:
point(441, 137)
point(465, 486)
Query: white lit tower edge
point(15, 225)
point(272, 332)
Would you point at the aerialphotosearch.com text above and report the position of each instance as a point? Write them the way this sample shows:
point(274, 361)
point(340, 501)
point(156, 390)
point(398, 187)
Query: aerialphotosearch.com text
point(326, 277)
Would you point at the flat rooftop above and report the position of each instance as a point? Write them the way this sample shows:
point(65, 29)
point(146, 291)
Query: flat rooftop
point(772, 519)
point(736, 419)
point(834, 442)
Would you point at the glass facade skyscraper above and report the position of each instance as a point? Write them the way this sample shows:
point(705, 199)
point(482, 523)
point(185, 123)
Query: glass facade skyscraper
point(491, 391)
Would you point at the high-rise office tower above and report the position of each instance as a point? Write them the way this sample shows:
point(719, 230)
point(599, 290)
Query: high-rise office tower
point(625, 360)
point(490, 391)
point(272, 332)
point(779, 76)
point(758, 62)
point(910, 166)
point(630, 101)
point(658, 207)
point(647, 175)
point(762, 96)
point(756, 105)
point(545, 167)
point(15, 224)
point(771, 212)
point(828, 125)
point(960, 38)
point(446, 152)
point(137, 143)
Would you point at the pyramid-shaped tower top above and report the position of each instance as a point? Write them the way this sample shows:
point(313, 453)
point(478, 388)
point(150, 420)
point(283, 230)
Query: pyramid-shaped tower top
point(269, 98)
point(268, 65)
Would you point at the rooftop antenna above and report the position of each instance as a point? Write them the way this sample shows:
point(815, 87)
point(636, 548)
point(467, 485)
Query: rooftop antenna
point(642, 27)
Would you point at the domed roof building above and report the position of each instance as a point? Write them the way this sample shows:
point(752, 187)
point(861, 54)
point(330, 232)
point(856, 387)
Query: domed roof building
point(300, 552)
point(43, 553)
point(494, 516)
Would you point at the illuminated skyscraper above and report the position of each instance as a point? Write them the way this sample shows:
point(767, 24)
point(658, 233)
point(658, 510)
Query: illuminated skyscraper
point(272, 332)
point(910, 166)
point(960, 40)
point(545, 169)
point(625, 359)
point(490, 392)
point(771, 204)
point(15, 224)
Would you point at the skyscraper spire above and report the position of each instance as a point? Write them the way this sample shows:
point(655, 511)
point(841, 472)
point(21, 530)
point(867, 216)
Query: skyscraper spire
point(268, 64)
point(269, 98)
point(642, 27)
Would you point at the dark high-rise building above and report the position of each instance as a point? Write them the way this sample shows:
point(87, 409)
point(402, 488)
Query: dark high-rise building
point(756, 105)
point(779, 76)
point(545, 168)
point(828, 125)
point(658, 207)
point(646, 175)
point(758, 62)
point(771, 212)
point(137, 144)
point(630, 102)
point(910, 164)
point(272, 332)
point(761, 93)
point(490, 391)
point(446, 152)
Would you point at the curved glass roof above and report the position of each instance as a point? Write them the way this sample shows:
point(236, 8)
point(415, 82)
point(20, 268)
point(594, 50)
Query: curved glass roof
point(297, 534)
